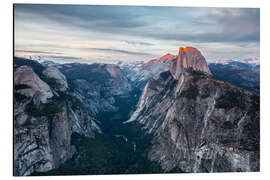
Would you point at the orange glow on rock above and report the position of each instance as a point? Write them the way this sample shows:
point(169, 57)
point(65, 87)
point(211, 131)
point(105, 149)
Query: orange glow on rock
point(188, 48)
point(180, 50)
point(168, 55)
point(162, 58)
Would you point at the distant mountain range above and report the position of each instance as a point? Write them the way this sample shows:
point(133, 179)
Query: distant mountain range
point(40, 59)
point(251, 61)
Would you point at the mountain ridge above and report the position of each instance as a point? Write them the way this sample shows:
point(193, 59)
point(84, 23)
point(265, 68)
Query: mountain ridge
point(162, 58)
point(198, 123)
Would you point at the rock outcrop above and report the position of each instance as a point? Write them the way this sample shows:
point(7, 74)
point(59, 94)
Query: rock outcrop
point(38, 147)
point(34, 86)
point(45, 116)
point(199, 124)
point(188, 57)
point(57, 76)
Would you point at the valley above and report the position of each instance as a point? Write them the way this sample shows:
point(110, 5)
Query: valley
point(174, 114)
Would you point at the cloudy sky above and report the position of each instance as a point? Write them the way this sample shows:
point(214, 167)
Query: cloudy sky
point(134, 33)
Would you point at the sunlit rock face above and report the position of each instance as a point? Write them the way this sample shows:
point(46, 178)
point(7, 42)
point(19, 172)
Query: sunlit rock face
point(188, 57)
point(162, 58)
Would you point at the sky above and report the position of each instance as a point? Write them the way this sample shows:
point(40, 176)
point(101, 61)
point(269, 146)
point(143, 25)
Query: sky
point(134, 33)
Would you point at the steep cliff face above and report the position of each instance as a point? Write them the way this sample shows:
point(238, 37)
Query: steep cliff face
point(34, 86)
point(199, 124)
point(188, 57)
point(45, 116)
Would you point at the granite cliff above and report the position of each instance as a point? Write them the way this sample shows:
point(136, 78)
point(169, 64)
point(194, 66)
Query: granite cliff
point(188, 57)
point(45, 116)
point(198, 123)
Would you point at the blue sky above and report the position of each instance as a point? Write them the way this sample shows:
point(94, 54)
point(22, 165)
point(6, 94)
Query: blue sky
point(132, 33)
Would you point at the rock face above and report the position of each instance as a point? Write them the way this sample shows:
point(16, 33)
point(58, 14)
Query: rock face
point(38, 146)
point(199, 124)
point(25, 76)
point(45, 116)
point(57, 76)
point(188, 57)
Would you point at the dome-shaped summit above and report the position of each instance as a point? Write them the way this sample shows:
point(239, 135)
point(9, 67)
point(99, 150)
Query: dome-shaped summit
point(188, 57)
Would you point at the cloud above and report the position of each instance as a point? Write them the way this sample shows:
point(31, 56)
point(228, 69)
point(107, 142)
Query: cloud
point(37, 52)
point(105, 18)
point(65, 57)
point(243, 22)
point(234, 24)
point(143, 29)
point(118, 51)
point(138, 43)
point(205, 37)
point(225, 25)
